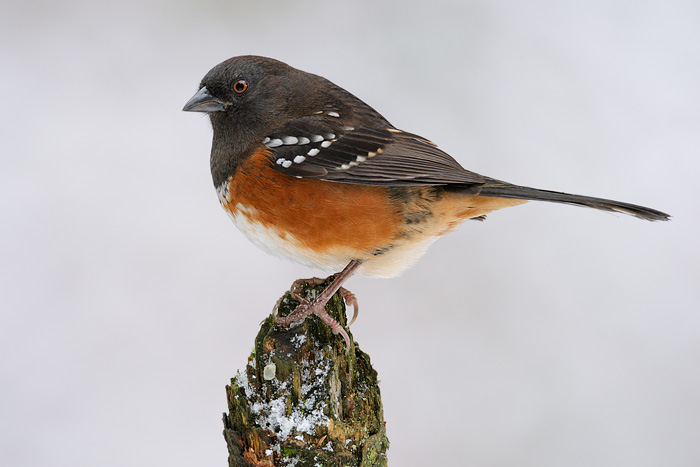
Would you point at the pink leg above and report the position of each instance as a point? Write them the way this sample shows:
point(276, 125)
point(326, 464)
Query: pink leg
point(349, 297)
point(318, 305)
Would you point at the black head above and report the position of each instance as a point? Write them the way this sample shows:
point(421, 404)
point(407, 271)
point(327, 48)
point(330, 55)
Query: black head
point(247, 98)
point(250, 95)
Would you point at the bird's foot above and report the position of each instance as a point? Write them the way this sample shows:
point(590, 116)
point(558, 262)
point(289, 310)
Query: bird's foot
point(317, 306)
point(296, 289)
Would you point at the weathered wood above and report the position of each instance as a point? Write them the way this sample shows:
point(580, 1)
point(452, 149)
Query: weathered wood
point(303, 400)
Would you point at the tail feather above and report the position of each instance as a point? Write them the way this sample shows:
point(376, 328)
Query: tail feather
point(498, 189)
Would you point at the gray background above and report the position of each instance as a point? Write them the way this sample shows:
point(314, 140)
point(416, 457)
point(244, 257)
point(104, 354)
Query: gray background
point(546, 336)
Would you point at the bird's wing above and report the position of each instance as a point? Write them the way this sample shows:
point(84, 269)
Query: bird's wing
point(323, 149)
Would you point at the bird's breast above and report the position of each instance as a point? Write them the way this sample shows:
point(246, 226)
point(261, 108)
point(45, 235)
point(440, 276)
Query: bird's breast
point(326, 224)
point(318, 223)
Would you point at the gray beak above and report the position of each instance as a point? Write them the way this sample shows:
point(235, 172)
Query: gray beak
point(204, 102)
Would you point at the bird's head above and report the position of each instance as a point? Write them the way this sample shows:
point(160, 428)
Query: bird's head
point(252, 95)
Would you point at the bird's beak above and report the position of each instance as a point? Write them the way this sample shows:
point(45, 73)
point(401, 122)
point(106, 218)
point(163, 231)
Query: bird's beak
point(204, 102)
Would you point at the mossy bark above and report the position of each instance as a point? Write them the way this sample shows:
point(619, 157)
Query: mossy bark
point(304, 399)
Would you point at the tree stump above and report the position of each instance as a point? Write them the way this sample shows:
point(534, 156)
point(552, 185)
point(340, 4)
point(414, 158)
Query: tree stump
point(304, 399)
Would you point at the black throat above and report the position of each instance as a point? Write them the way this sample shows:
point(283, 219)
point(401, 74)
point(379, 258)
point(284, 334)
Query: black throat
point(230, 146)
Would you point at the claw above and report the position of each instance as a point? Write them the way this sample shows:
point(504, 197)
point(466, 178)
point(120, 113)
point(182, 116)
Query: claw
point(317, 308)
point(318, 305)
point(298, 284)
point(335, 326)
point(351, 300)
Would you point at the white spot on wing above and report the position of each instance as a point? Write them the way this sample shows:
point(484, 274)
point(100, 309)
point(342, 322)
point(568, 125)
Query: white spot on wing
point(333, 114)
point(325, 144)
point(290, 140)
point(304, 140)
point(287, 164)
point(329, 135)
point(316, 138)
point(273, 143)
point(361, 158)
point(345, 166)
point(371, 154)
point(313, 152)
point(266, 140)
point(299, 159)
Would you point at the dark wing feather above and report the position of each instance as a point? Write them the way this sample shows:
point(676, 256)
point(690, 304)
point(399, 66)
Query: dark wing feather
point(318, 148)
point(322, 149)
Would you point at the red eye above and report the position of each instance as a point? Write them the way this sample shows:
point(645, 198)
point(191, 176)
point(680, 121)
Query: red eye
point(240, 86)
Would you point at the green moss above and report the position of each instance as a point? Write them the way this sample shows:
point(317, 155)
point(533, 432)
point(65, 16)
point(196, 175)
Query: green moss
point(288, 451)
point(314, 372)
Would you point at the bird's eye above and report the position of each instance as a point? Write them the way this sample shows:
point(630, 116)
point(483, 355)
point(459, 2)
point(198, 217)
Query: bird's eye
point(240, 86)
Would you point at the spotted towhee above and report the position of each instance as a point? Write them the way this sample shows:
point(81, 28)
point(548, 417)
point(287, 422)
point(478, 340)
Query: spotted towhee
point(309, 172)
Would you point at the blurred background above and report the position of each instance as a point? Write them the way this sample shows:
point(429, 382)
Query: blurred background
point(546, 336)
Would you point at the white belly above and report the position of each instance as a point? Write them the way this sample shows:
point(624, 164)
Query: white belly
point(389, 264)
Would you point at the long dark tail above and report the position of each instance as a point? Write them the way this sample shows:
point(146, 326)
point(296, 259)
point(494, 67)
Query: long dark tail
point(498, 189)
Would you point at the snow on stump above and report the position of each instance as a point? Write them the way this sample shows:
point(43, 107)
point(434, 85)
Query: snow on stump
point(303, 399)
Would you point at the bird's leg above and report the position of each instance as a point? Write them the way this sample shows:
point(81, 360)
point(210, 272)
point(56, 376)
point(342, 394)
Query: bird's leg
point(318, 305)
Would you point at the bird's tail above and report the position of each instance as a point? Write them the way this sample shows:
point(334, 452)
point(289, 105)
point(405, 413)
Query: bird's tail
point(498, 189)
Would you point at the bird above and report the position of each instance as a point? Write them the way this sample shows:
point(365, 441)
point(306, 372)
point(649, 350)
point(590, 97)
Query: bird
point(309, 172)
